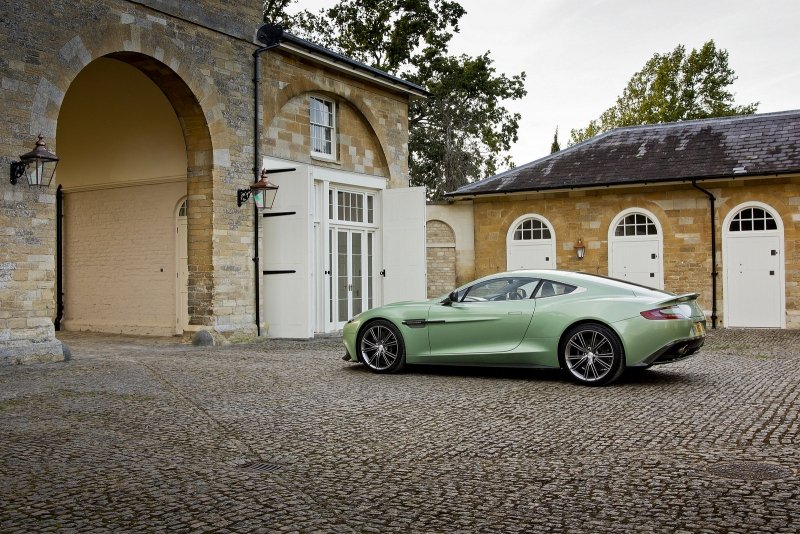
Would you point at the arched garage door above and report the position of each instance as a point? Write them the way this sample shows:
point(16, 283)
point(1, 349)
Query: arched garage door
point(635, 245)
point(531, 244)
point(753, 265)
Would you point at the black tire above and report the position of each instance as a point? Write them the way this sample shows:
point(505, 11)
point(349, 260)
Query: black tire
point(591, 354)
point(381, 348)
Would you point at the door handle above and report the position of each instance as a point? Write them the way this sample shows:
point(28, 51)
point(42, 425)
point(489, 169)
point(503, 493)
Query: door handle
point(383, 273)
point(515, 313)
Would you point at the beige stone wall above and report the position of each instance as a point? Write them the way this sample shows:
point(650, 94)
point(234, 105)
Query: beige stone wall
point(684, 216)
point(119, 259)
point(372, 122)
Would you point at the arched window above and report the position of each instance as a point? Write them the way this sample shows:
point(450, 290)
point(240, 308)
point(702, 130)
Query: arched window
point(635, 224)
point(752, 220)
point(531, 230)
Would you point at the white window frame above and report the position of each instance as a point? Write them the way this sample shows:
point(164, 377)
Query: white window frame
point(326, 127)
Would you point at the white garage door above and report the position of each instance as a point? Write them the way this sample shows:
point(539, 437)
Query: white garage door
point(531, 244)
point(753, 270)
point(635, 249)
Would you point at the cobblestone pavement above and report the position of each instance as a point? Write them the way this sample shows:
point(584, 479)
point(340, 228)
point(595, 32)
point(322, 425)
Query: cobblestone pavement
point(150, 435)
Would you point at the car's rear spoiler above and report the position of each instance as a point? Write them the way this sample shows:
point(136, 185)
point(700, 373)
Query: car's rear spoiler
point(677, 299)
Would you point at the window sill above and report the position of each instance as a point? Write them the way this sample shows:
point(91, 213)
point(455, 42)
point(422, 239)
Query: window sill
point(326, 159)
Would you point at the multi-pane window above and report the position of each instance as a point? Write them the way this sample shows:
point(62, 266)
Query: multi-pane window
point(322, 127)
point(351, 207)
point(753, 220)
point(636, 224)
point(530, 230)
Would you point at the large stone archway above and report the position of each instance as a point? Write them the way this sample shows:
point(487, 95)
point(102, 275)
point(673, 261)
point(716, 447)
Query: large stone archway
point(148, 147)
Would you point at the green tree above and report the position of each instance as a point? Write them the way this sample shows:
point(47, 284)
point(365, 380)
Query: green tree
point(556, 146)
point(275, 12)
point(672, 87)
point(459, 133)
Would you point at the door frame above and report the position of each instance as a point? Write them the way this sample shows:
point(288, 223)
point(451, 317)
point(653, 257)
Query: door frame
point(612, 238)
point(726, 234)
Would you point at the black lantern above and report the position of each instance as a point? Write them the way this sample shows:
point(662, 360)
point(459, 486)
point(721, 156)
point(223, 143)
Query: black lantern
point(263, 191)
point(39, 164)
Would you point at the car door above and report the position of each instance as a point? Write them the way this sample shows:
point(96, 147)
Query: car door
point(490, 317)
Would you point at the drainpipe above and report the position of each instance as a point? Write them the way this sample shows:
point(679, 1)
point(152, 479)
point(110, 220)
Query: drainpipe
point(711, 200)
point(59, 258)
point(270, 36)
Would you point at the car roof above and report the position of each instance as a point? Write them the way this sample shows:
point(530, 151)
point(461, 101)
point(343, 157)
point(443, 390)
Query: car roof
point(584, 279)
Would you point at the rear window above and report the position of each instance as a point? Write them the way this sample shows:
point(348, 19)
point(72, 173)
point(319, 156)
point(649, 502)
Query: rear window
point(553, 289)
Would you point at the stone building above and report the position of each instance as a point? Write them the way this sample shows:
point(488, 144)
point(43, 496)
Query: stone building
point(152, 108)
point(710, 206)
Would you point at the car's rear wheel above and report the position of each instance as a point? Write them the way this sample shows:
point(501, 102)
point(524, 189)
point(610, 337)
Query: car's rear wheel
point(381, 347)
point(592, 354)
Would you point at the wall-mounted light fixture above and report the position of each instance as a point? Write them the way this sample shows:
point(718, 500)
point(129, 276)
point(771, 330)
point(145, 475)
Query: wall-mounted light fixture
point(39, 164)
point(263, 192)
point(580, 249)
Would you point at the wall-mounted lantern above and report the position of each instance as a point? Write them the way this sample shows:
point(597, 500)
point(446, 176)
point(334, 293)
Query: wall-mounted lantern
point(580, 249)
point(39, 164)
point(263, 192)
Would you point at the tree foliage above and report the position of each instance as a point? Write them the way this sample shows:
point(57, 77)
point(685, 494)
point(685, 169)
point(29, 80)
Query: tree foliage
point(556, 146)
point(461, 131)
point(672, 87)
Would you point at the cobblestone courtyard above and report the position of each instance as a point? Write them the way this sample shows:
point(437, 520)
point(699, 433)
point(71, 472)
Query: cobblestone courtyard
point(148, 435)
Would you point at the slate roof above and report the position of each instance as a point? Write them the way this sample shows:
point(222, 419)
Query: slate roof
point(751, 145)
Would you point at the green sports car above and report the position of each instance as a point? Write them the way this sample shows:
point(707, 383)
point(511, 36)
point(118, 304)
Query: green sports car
point(590, 326)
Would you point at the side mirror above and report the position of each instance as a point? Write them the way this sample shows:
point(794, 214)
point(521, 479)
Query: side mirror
point(453, 296)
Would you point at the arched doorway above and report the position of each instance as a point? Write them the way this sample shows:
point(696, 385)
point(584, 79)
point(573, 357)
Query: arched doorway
point(754, 285)
point(635, 248)
point(129, 136)
point(441, 260)
point(531, 244)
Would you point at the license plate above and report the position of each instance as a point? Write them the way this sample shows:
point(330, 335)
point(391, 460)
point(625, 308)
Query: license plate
point(699, 329)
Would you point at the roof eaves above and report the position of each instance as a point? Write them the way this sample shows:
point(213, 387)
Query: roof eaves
point(621, 183)
point(296, 44)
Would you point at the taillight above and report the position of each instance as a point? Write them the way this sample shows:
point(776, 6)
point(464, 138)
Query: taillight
point(663, 314)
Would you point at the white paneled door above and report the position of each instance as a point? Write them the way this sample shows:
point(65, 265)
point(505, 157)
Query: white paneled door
point(753, 281)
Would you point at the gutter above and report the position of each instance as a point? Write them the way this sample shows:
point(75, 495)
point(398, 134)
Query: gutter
point(711, 200)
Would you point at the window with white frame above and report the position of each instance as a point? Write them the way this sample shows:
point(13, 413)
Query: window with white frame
point(323, 131)
point(351, 207)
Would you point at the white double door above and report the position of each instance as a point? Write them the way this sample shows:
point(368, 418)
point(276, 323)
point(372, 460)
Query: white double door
point(351, 273)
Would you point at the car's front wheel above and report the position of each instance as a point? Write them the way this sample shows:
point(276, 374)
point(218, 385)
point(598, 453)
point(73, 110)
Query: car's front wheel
point(592, 354)
point(381, 347)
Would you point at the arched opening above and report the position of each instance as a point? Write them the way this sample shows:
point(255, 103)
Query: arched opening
point(131, 135)
point(441, 260)
point(531, 244)
point(635, 248)
point(753, 281)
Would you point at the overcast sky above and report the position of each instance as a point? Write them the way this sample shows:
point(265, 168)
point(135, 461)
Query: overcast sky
point(580, 54)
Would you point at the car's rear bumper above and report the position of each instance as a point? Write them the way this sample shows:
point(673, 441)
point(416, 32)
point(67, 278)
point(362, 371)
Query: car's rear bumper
point(672, 352)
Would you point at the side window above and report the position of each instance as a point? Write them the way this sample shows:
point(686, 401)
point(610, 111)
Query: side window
point(553, 289)
point(499, 290)
point(323, 130)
